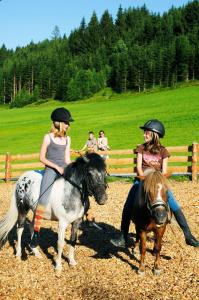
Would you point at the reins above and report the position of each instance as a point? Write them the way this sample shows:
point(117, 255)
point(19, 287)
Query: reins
point(45, 190)
point(81, 189)
point(69, 180)
point(75, 185)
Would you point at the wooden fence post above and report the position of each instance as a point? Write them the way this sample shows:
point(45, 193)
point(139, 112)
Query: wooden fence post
point(194, 161)
point(8, 167)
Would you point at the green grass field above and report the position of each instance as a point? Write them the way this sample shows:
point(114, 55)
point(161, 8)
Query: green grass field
point(120, 116)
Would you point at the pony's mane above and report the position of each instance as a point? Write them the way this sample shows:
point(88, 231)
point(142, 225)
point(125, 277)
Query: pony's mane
point(95, 161)
point(151, 182)
point(79, 167)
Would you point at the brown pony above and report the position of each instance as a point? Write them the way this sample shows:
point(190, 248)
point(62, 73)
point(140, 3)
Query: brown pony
point(150, 213)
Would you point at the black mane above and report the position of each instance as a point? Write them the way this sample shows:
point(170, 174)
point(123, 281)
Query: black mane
point(79, 168)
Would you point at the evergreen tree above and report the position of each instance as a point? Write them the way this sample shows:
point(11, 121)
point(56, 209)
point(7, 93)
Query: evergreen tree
point(138, 51)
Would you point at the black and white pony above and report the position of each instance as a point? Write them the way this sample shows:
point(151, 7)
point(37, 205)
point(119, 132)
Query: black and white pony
point(68, 201)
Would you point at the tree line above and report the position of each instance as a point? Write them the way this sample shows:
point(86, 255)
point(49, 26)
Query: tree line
point(136, 51)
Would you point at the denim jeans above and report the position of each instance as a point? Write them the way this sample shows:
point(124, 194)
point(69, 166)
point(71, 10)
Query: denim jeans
point(173, 204)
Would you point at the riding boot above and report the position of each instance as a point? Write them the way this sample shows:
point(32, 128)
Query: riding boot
point(181, 220)
point(122, 239)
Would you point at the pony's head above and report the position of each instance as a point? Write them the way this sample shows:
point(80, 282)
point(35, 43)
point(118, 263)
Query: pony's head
point(155, 188)
point(89, 171)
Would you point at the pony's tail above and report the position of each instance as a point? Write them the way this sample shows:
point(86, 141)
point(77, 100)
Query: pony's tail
point(8, 221)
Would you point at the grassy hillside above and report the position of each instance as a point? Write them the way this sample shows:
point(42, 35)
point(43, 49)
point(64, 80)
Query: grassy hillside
point(119, 115)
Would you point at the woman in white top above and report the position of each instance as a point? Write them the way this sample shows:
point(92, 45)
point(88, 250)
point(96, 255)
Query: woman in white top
point(102, 141)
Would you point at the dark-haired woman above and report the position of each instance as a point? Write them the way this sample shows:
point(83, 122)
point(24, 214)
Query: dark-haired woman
point(151, 154)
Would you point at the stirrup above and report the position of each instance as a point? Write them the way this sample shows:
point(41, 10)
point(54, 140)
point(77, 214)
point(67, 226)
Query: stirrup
point(34, 240)
point(119, 242)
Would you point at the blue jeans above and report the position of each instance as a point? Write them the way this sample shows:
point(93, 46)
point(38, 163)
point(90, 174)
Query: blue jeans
point(49, 177)
point(173, 204)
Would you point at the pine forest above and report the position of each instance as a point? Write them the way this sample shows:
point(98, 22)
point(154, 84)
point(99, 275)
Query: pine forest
point(138, 50)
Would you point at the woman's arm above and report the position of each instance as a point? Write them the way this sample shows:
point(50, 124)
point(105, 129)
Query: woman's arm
point(67, 153)
point(139, 164)
point(85, 146)
point(42, 156)
point(164, 165)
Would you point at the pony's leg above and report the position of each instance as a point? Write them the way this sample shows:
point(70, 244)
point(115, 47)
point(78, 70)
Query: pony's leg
point(20, 229)
point(31, 225)
point(18, 248)
point(73, 239)
point(141, 270)
point(136, 247)
point(157, 249)
point(60, 243)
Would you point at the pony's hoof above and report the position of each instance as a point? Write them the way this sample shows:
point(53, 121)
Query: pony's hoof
point(157, 272)
point(136, 251)
point(72, 263)
point(58, 268)
point(18, 257)
point(36, 252)
point(140, 273)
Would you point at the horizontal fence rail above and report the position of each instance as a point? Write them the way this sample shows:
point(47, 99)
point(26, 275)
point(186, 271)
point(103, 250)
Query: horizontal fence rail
point(184, 160)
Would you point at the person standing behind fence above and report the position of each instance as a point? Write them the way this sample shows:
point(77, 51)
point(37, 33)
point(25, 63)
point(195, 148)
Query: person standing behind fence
point(91, 143)
point(102, 141)
point(55, 155)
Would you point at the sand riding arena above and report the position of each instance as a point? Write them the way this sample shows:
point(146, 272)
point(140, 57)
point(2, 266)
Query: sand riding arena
point(104, 272)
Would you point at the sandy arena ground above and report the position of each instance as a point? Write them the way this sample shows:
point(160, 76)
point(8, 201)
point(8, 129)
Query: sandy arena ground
point(104, 272)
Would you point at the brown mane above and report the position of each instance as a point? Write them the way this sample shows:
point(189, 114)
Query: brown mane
point(151, 182)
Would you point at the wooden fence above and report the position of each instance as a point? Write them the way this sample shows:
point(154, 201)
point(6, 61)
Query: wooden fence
point(184, 160)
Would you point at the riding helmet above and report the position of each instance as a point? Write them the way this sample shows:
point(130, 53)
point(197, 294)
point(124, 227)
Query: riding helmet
point(61, 114)
point(155, 126)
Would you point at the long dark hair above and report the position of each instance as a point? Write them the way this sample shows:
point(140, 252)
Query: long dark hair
point(154, 144)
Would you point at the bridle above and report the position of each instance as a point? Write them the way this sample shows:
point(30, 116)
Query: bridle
point(157, 203)
point(84, 188)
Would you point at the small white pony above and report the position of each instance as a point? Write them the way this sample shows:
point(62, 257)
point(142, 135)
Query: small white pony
point(68, 201)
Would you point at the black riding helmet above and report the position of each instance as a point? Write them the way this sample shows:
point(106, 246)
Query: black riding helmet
point(155, 126)
point(61, 114)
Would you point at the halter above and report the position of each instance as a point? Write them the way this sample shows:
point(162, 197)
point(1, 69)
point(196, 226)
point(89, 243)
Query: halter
point(84, 190)
point(158, 203)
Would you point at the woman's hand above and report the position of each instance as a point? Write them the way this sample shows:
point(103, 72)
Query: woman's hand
point(60, 170)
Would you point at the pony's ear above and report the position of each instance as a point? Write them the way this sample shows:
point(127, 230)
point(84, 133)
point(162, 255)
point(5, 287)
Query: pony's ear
point(85, 159)
point(141, 177)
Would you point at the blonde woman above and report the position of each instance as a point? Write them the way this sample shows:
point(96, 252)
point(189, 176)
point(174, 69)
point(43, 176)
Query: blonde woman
point(55, 155)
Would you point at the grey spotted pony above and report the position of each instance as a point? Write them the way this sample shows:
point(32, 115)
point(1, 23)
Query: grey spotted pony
point(68, 201)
